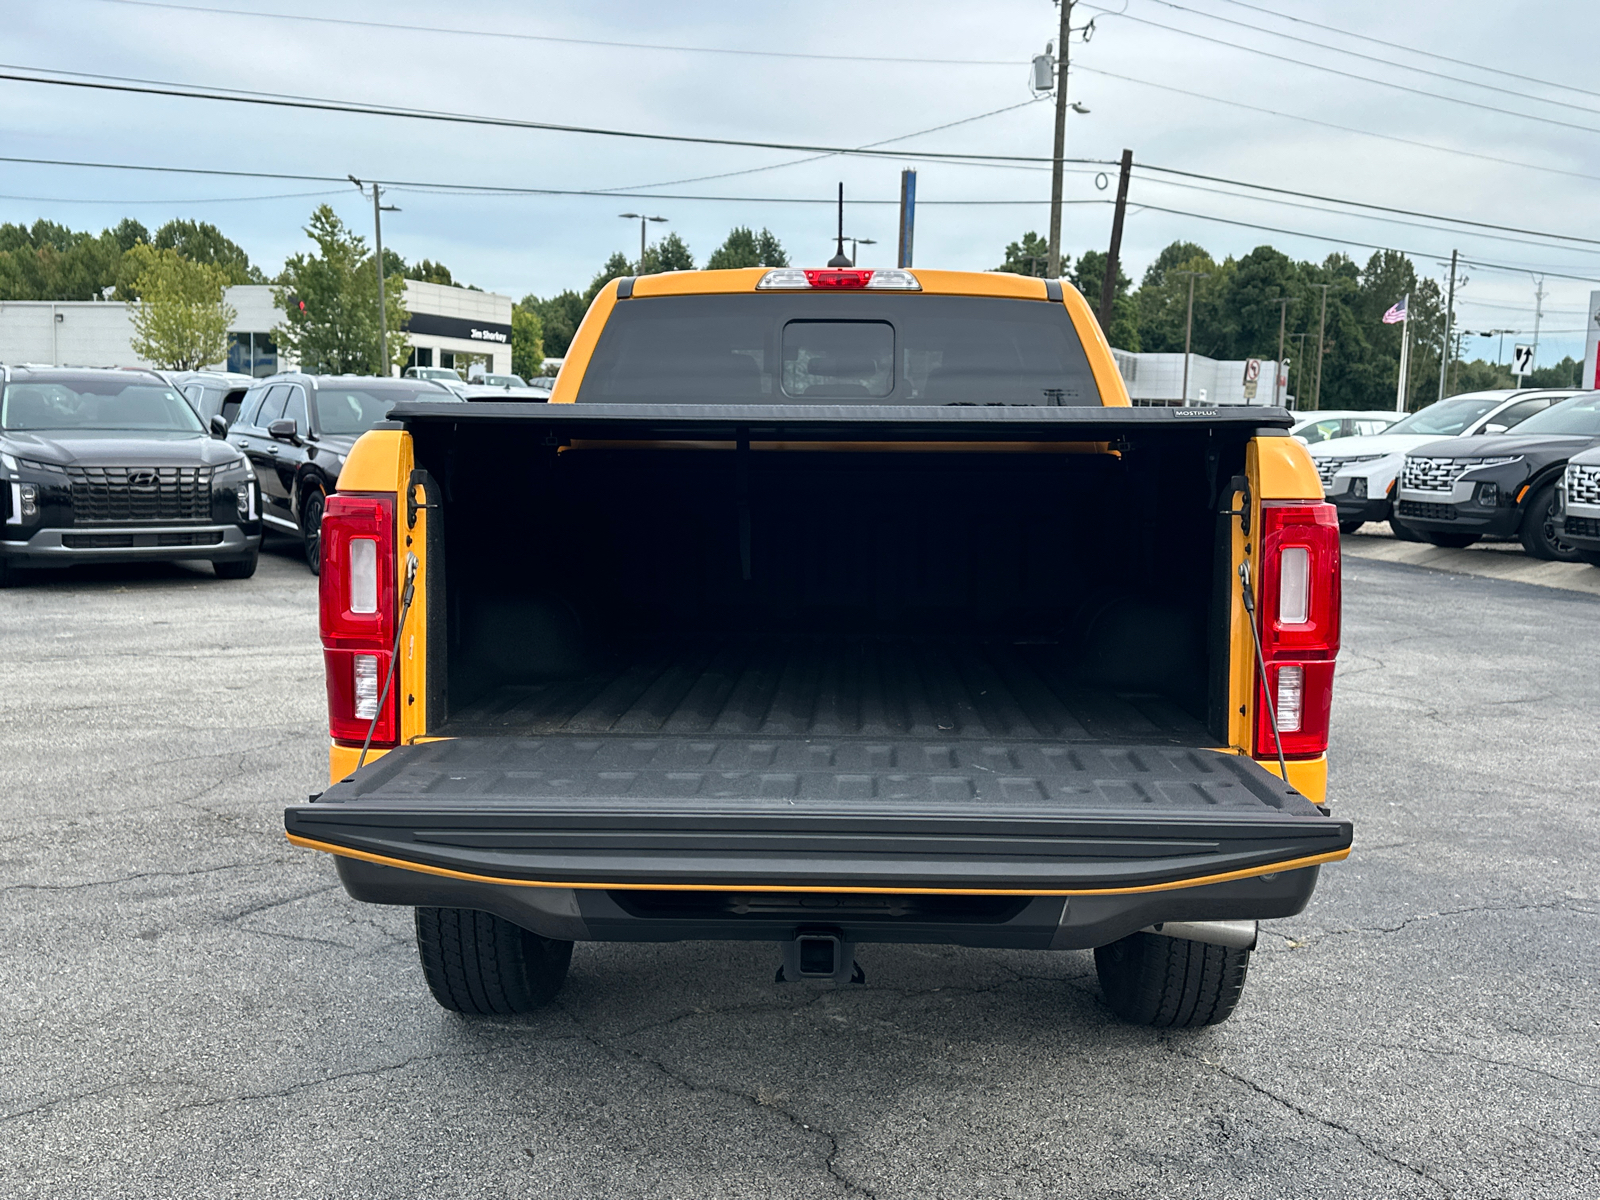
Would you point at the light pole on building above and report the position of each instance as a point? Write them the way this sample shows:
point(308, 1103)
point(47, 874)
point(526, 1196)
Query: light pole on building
point(643, 222)
point(378, 209)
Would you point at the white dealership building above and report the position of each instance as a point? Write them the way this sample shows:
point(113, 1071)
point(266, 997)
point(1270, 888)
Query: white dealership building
point(448, 327)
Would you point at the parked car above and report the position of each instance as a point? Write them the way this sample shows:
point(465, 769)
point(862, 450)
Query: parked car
point(717, 657)
point(483, 379)
point(297, 430)
point(1578, 505)
point(115, 466)
point(1358, 473)
point(215, 393)
point(1316, 427)
point(1503, 485)
point(474, 391)
point(444, 376)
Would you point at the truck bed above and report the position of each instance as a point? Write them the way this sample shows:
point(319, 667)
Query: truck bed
point(944, 689)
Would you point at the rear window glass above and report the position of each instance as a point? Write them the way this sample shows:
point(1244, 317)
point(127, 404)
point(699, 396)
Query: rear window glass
point(357, 409)
point(1448, 417)
point(837, 349)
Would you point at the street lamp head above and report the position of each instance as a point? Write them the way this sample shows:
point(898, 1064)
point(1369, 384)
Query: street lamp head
point(1077, 107)
point(630, 216)
point(353, 180)
point(663, 219)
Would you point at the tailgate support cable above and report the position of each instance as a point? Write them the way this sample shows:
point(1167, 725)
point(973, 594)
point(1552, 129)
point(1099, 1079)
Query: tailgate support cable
point(1261, 662)
point(406, 595)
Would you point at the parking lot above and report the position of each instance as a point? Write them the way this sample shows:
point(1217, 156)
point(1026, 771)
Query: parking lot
point(194, 1008)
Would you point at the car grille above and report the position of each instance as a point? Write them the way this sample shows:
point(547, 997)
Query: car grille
point(1583, 484)
point(125, 495)
point(1586, 527)
point(1327, 468)
point(1440, 474)
point(1428, 512)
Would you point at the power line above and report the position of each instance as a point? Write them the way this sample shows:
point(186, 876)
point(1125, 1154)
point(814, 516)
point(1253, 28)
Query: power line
point(1400, 87)
point(1322, 45)
point(147, 87)
point(1387, 137)
point(184, 200)
point(1460, 62)
point(1404, 212)
point(571, 41)
point(1319, 237)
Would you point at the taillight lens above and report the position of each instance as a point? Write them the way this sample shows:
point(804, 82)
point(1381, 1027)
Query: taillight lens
point(357, 594)
point(1299, 615)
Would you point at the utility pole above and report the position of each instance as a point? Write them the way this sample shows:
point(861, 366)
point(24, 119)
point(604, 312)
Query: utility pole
point(1538, 316)
point(1108, 286)
point(1449, 322)
point(1322, 322)
point(378, 209)
point(643, 221)
point(1283, 303)
point(855, 244)
point(1188, 329)
point(1300, 362)
point(1056, 164)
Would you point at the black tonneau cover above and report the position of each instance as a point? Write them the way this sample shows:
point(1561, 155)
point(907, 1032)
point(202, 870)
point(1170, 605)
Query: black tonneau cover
point(811, 422)
point(765, 813)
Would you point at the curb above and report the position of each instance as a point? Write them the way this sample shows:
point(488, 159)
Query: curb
point(1488, 563)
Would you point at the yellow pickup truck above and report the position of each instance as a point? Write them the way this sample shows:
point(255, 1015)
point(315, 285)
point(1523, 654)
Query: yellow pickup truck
point(829, 608)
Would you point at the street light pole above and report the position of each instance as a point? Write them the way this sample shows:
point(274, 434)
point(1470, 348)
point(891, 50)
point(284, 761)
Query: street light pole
point(1283, 303)
point(1188, 329)
point(643, 221)
point(1449, 321)
point(1056, 163)
point(854, 243)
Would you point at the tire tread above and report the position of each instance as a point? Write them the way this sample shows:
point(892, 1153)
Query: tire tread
point(478, 964)
point(1171, 983)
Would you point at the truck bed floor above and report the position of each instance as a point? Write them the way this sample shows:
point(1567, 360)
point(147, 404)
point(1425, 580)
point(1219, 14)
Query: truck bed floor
point(840, 687)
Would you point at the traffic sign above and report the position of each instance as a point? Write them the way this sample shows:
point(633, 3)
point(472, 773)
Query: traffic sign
point(1521, 360)
point(1252, 370)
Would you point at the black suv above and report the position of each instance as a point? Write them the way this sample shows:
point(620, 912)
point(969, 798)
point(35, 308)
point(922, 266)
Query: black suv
point(114, 466)
point(297, 430)
point(215, 393)
point(1499, 485)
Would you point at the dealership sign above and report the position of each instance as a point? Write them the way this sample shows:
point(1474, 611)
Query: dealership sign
point(433, 325)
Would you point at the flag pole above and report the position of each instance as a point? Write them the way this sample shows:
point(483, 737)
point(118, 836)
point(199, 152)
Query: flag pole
point(1405, 354)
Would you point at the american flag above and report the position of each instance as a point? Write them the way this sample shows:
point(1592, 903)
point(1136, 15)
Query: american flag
point(1396, 313)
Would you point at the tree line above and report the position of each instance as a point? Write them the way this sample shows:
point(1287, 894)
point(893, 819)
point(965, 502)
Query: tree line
point(1236, 314)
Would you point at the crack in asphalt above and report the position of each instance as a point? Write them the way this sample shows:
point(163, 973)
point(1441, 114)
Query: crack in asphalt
point(757, 1101)
point(1300, 1110)
point(94, 883)
point(1450, 912)
point(1495, 1062)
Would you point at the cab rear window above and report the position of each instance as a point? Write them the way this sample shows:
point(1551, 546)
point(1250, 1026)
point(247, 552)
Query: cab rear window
point(833, 349)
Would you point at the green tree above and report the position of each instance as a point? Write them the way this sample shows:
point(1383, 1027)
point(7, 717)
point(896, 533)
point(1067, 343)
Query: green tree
point(744, 248)
point(1030, 256)
point(330, 303)
point(669, 254)
point(527, 342)
point(1163, 303)
point(202, 242)
point(181, 322)
point(616, 267)
point(1089, 277)
point(1563, 374)
point(1481, 376)
point(48, 261)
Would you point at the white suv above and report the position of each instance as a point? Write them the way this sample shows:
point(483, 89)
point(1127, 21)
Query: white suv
point(1358, 473)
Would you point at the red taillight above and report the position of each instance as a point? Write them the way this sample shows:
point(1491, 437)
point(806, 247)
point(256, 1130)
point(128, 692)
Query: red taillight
point(357, 595)
point(837, 277)
point(1298, 611)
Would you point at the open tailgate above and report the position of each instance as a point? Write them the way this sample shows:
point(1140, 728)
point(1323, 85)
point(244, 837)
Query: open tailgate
point(1026, 817)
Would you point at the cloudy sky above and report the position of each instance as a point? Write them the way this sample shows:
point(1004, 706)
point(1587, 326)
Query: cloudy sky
point(1261, 93)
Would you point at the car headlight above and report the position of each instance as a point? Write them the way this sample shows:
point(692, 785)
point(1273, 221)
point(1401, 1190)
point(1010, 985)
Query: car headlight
point(242, 477)
point(28, 494)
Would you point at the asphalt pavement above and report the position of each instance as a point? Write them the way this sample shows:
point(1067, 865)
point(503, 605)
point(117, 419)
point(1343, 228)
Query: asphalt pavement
point(191, 1007)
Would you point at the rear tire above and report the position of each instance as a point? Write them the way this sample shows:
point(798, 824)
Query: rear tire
point(480, 965)
point(1171, 983)
point(1539, 536)
point(238, 568)
point(1452, 541)
point(1350, 526)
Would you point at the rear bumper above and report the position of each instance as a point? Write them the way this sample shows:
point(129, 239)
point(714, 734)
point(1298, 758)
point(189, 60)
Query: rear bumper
point(1005, 922)
point(61, 547)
